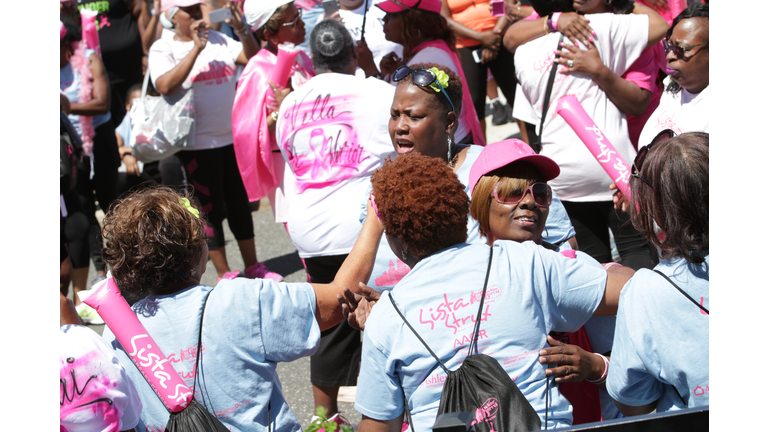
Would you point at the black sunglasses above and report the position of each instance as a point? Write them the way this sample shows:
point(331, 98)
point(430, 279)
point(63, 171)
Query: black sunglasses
point(422, 78)
point(640, 158)
point(679, 50)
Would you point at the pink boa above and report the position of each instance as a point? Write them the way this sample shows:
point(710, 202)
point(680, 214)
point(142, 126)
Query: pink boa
point(82, 65)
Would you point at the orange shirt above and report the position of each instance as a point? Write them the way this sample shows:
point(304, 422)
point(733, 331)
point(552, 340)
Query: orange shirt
point(473, 14)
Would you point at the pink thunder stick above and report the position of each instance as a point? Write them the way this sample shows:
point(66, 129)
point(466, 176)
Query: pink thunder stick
point(286, 56)
point(144, 352)
point(90, 32)
point(614, 165)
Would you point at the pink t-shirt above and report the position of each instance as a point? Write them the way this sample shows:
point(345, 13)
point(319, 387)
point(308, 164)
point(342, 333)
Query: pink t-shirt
point(645, 73)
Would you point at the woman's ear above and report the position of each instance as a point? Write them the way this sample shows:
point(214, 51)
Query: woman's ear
point(451, 123)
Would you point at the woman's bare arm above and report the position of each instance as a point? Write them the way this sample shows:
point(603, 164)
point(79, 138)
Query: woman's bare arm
point(356, 268)
point(100, 97)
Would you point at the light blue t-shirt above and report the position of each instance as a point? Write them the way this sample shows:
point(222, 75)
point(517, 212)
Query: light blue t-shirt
point(124, 129)
point(389, 269)
point(250, 325)
point(69, 83)
point(531, 291)
point(662, 338)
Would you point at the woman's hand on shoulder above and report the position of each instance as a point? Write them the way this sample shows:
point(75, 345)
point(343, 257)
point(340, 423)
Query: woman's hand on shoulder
point(575, 27)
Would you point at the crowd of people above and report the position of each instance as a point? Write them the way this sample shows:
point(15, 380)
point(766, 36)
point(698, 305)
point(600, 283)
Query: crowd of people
point(372, 151)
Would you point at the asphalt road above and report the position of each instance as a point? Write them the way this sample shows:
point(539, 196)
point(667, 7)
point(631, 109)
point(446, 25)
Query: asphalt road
point(274, 247)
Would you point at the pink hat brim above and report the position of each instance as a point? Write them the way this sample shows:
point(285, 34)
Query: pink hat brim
point(502, 153)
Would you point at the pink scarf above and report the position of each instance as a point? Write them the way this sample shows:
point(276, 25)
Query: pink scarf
point(252, 141)
point(82, 65)
point(469, 114)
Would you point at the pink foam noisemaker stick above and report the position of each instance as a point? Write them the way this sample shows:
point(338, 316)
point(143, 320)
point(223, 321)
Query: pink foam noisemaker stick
point(606, 154)
point(142, 349)
point(286, 56)
point(90, 32)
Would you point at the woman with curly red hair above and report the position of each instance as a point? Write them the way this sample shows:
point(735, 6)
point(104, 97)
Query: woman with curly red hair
point(423, 207)
point(157, 246)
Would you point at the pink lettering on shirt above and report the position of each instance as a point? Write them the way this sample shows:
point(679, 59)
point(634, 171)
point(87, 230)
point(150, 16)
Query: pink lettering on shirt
point(702, 305)
point(329, 132)
point(452, 314)
point(86, 392)
point(701, 391)
point(394, 274)
point(666, 120)
point(214, 73)
point(227, 412)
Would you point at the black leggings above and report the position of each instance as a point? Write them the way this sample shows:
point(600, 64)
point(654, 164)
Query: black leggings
point(591, 221)
point(502, 68)
point(219, 188)
point(81, 228)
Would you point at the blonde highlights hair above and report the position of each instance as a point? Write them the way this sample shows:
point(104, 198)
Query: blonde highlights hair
point(515, 176)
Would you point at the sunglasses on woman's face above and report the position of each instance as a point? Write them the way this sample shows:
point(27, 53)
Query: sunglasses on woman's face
point(295, 21)
point(640, 158)
point(541, 193)
point(422, 78)
point(679, 50)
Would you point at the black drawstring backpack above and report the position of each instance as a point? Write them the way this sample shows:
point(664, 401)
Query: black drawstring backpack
point(481, 387)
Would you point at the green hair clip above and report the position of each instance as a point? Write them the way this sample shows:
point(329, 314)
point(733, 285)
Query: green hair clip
point(441, 77)
point(187, 205)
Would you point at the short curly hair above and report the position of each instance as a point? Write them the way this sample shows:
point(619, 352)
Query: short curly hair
point(421, 201)
point(152, 240)
point(515, 176)
point(454, 89)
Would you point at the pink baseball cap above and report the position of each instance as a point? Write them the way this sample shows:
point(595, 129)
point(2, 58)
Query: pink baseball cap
point(393, 6)
point(505, 152)
point(167, 4)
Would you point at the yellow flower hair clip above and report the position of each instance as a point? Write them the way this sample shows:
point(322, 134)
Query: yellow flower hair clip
point(187, 205)
point(442, 78)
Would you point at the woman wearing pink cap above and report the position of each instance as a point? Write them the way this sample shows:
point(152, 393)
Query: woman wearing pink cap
point(205, 61)
point(427, 38)
point(500, 181)
point(531, 291)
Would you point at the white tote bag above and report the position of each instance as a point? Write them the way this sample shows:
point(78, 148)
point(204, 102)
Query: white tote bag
point(162, 125)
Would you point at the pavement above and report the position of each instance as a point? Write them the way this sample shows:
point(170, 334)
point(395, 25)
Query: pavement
point(275, 249)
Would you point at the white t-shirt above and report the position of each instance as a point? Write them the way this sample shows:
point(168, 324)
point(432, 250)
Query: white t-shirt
point(97, 393)
point(333, 132)
point(438, 56)
point(620, 40)
point(214, 76)
point(681, 112)
point(374, 31)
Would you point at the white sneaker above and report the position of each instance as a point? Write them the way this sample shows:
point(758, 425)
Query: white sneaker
point(88, 315)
